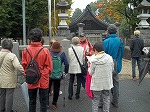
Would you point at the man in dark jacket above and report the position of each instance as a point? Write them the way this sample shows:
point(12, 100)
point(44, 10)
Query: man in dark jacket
point(137, 44)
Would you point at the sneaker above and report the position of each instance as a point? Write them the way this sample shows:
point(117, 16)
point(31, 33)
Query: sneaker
point(134, 78)
point(60, 92)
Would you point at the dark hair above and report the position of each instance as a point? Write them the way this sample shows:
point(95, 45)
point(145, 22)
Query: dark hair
point(112, 29)
point(7, 44)
point(42, 41)
point(35, 35)
point(98, 47)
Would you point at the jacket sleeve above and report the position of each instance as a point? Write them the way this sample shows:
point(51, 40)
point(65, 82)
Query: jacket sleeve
point(131, 45)
point(105, 44)
point(17, 64)
point(91, 69)
point(65, 62)
point(24, 59)
point(48, 65)
point(90, 49)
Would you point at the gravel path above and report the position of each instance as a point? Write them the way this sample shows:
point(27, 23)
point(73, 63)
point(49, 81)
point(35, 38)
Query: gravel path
point(126, 72)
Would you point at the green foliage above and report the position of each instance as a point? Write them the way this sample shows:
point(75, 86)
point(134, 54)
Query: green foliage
point(76, 13)
point(11, 21)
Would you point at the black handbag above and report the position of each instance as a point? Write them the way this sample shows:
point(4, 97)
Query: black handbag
point(83, 67)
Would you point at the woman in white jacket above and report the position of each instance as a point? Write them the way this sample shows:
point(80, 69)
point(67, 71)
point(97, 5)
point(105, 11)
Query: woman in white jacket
point(101, 68)
point(9, 63)
point(74, 67)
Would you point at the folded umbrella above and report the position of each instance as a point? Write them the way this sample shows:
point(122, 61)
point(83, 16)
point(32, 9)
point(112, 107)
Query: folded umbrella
point(145, 69)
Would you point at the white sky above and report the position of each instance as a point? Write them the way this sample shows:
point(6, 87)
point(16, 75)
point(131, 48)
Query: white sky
point(81, 4)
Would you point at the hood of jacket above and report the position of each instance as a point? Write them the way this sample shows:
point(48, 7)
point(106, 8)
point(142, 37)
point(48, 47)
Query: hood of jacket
point(100, 58)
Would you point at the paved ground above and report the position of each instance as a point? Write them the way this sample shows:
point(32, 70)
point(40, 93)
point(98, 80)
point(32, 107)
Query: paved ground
point(133, 98)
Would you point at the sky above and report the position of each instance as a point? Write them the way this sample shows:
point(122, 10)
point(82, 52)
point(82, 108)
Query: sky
point(81, 4)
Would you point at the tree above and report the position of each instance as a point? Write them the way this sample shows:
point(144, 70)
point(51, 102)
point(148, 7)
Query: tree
point(36, 16)
point(76, 13)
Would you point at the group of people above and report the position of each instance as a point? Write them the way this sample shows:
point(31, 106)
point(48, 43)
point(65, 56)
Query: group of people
point(104, 69)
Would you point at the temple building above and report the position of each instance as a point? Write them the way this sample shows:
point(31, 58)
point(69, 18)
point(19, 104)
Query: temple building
point(89, 24)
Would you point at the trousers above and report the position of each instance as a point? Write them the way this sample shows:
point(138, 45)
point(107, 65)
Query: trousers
point(6, 99)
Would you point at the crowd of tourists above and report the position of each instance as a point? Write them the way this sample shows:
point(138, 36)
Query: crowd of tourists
point(43, 69)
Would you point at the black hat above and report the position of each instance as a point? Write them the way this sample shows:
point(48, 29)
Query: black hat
point(82, 35)
point(112, 29)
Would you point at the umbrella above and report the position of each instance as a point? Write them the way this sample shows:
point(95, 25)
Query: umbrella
point(24, 89)
point(144, 70)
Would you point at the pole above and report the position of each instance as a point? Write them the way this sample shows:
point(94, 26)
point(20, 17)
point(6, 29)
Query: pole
point(49, 14)
point(24, 22)
point(54, 15)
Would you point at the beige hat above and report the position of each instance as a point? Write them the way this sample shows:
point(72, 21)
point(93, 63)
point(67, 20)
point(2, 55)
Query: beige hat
point(137, 32)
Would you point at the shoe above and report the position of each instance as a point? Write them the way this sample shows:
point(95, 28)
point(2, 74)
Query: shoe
point(134, 78)
point(75, 84)
point(13, 111)
point(100, 106)
point(54, 107)
point(70, 98)
point(48, 106)
point(60, 92)
point(115, 105)
point(77, 97)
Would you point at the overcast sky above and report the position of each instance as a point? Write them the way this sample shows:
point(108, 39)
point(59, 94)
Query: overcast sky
point(81, 4)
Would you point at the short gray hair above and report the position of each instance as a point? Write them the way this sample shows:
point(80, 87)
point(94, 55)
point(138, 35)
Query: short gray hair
point(7, 44)
point(75, 40)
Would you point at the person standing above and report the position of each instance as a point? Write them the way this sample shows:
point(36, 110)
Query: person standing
point(44, 61)
point(59, 59)
point(88, 51)
point(9, 63)
point(114, 46)
point(136, 47)
point(101, 68)
point(74, 67)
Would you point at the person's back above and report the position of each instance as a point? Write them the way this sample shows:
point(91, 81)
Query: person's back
point(136, 47)
point(44, 61)
point(74, 67)
point(115, 48)
point(101, 68)
point(9, 64)
point(56, 76)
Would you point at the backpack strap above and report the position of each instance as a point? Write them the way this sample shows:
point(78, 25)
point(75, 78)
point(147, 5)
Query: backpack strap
point(59, 54)
point(36, 53)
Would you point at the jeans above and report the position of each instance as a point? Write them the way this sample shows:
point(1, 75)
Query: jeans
point(56, 89)
point(115, 89)
point(139, 63)
point(42, 97)
point(99, 96)
point(70, 89)
point(6, 99)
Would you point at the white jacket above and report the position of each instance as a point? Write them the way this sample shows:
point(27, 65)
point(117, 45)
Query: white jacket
point(74, 67)
point(101, 69)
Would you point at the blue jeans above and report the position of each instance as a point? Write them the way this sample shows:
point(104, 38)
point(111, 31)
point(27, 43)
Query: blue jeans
point(42, 97)
point(139, 63)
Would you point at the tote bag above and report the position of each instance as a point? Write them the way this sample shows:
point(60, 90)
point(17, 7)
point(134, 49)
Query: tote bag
point(88, 84)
